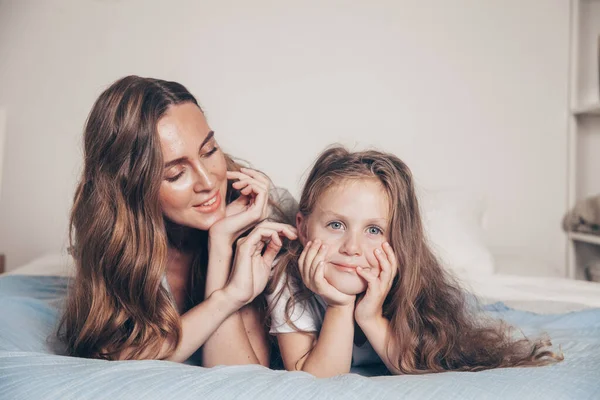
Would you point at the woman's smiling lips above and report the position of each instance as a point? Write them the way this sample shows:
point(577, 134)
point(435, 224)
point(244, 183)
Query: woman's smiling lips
point(210, 205)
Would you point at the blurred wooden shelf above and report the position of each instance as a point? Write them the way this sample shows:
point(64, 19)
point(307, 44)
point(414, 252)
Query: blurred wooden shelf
point(591, 109)
point(585, 237)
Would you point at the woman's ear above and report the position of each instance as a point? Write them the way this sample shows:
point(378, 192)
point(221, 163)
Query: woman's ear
point(301, 226)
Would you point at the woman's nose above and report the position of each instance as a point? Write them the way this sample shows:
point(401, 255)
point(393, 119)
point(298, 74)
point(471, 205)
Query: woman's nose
point(205, 181)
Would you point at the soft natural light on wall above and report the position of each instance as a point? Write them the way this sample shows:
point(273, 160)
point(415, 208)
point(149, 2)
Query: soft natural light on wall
point(2, 136)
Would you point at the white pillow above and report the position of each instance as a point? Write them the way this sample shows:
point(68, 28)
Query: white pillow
point(453, 220)
point(50, 264)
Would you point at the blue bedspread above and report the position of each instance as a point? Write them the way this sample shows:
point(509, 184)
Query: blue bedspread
point(30, 369)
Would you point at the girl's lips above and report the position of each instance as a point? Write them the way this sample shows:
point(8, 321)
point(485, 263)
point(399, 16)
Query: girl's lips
point(344, 267)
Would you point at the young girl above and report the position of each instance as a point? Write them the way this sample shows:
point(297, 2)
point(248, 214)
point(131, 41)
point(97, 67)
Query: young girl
point(362, 286)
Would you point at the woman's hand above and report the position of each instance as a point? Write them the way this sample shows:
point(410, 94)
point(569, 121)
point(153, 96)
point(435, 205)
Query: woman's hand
point(312, 269)
point(370, 306)
point(252, 266)
point(245, 211)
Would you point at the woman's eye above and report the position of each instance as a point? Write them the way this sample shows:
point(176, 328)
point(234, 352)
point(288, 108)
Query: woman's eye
point(375, 230)
point(335, 225)
point(174, 177)
point(211, 152)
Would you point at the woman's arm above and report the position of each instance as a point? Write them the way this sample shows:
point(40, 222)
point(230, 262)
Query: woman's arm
point(332, 352)
point(241, 339)
point(230, 343)
point(200, 323)
point(257, 333)
point(196, 327)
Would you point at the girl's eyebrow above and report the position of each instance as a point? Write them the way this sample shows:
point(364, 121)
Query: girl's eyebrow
point(207, 139)
point(381, 221)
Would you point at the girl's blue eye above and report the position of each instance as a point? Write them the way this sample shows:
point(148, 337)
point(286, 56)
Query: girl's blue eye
point(375, 230)
point(335, 225)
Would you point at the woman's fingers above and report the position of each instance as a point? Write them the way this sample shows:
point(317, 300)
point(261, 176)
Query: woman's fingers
point(259, 176)
point(260, 236)
point(272, 250)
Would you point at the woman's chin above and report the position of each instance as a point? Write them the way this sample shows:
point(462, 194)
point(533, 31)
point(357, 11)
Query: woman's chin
point(207, 221)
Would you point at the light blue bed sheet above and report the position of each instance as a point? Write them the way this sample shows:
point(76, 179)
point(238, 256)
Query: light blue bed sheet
point(30, 369)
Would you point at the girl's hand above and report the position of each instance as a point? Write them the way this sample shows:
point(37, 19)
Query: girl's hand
point(245, 211)
point(312, 268)
point(251, 266)
point(371, 304)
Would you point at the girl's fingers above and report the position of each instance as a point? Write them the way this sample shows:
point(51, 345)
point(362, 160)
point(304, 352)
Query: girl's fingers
point(391, 256)
point(384, 264)
point(311, 253)
point(319, 276)
point(367, 276)
point(302, 264)
point(319, 259)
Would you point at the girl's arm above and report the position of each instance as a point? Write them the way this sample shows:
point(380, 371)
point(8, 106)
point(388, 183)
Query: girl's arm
point(369, 310)
point(332, 352)
point(377, 331)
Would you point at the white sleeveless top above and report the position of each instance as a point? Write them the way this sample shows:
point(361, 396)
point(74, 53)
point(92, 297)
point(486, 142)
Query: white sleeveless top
point(308, 316)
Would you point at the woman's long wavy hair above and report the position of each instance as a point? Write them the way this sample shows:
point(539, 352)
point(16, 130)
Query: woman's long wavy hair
point(117, 306)
point(432, 327)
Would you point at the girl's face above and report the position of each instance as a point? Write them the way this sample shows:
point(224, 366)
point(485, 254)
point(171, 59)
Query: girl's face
point(194, 185)
point(353, 220)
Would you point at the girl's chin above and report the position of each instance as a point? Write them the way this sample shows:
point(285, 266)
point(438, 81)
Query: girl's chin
point(350, 284)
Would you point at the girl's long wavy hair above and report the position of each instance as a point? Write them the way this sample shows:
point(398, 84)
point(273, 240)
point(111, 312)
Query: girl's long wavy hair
point(117, 306)
point(432, 327)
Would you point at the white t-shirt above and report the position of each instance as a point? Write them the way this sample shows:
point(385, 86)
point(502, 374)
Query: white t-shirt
point(308, 316)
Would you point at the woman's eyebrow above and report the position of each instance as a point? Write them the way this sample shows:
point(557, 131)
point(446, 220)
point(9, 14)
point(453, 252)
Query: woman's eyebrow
point(207, 139)
point(210, 135)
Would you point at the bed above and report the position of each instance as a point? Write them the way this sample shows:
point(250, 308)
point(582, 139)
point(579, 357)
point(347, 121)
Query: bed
point(30, 367)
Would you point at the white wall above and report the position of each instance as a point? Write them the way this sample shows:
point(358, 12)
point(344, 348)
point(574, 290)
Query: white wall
point(469, 93)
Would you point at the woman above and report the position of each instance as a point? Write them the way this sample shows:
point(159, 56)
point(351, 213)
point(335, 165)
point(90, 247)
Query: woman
point(156, 217)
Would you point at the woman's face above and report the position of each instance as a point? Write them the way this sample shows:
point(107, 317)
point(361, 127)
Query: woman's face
point(353, 220)
point(194, 185)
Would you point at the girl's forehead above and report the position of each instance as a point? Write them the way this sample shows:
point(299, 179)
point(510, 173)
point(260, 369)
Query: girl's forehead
point(349, 197)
